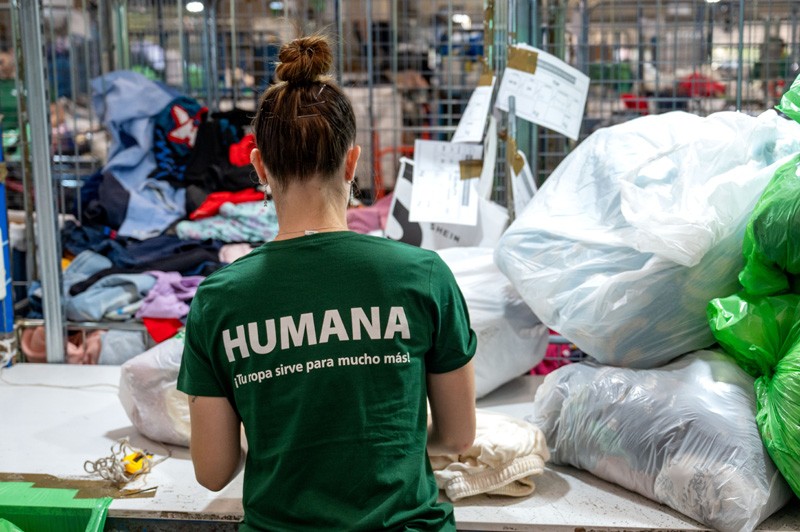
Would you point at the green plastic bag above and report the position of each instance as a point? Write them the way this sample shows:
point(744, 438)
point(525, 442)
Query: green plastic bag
point(771, 243)
point(760, 326)
point(8, 526)
point(756, 330)
point(777, 418)
point(790, 102)
point(762, 333)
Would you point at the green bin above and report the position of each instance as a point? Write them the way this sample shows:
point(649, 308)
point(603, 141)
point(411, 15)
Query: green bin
point(31, 509)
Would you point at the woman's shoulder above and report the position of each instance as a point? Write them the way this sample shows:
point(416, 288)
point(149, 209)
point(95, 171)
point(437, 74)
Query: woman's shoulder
point(396, 247)
point(394, 254)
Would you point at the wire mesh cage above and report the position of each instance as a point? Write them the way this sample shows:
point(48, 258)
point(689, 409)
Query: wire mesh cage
point(409, 67)
point(656, 56)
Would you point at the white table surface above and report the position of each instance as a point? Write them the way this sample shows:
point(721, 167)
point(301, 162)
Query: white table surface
point(54, 431)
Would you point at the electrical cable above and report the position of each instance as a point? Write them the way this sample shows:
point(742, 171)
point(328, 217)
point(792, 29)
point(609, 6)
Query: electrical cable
point(124, 464)
point(60, 386)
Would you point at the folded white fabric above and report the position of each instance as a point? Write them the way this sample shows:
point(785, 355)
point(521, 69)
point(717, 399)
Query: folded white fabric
point(507, 451)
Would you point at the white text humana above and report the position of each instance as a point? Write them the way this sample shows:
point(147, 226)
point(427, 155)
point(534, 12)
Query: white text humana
point(262, 337)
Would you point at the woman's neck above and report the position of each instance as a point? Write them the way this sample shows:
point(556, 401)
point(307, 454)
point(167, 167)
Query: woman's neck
point(308, 208)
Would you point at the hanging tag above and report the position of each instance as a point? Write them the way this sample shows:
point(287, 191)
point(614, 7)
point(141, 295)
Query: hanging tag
point(513, 157)
point(522, 59)
point(488, 28)
point(470, 168)
point(487, 76)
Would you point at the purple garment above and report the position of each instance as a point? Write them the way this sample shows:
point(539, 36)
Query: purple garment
point(170, 295)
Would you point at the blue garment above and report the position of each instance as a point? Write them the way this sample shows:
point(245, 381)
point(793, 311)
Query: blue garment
point(107, 294)
point(163, 252)
point(120, 346)
point(250, 221)
point(82, 267)
point(128, 104)
point(86, 264)
point(152, 208)
point(78, 238)
point(153, 252)
point(175, 134)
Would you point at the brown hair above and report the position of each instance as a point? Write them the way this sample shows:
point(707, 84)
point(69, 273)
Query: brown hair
point(305, 124)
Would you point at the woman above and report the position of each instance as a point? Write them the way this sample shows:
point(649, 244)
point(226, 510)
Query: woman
point(325, 344)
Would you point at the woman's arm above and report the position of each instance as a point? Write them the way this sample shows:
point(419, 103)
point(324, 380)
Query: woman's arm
point(452, 399)
point(215, 443)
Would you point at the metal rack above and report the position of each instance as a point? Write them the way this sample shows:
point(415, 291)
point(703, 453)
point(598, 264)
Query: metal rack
point(409, 68)
point(656, 56)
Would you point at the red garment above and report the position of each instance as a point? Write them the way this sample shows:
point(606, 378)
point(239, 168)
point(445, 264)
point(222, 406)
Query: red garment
point(214, 201)
point(697, 85)
point(161, 329)
point(635, 103)
point(557, 355)
point(239, 153)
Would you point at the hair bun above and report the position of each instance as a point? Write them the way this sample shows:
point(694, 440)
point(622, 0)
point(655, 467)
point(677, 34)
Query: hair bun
point(304, 60)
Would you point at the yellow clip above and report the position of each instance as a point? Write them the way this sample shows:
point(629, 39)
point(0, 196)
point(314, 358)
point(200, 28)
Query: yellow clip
point(134, 462)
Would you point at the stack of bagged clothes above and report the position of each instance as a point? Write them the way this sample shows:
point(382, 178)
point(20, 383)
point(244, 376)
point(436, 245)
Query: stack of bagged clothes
point(621, 251)
point(759, 326)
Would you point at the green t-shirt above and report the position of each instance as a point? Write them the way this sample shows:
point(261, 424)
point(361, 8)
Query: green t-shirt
point(322, 344)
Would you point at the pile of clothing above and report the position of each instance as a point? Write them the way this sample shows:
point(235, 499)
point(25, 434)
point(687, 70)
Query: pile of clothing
point(167, 154)
point(175, 200)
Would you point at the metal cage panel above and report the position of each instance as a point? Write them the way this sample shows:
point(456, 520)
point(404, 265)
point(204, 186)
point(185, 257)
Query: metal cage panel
point(408, 66)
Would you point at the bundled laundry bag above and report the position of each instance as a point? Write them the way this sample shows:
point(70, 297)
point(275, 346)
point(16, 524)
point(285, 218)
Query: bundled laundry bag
point(640, 226)
point(511, 339)
point(148, 392)
point(684, 435)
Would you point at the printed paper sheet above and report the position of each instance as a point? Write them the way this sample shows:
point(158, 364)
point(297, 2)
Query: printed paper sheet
point(553, 95)
point(439, 194)
point(473, 120)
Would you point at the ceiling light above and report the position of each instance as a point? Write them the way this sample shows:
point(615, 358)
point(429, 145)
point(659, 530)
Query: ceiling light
point(195, 7)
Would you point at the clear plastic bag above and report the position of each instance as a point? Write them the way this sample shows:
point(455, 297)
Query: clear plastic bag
point(639, 227)
point(683, 435)
point(148, 392)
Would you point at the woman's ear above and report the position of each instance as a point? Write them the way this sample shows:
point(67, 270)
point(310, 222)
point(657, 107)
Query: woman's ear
point(351, 162)
point(258, 164)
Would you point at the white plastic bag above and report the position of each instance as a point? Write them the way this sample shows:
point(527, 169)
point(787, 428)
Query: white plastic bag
point(639, 227)
point(148, 392)
point(683, 435)
point(511, 339)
